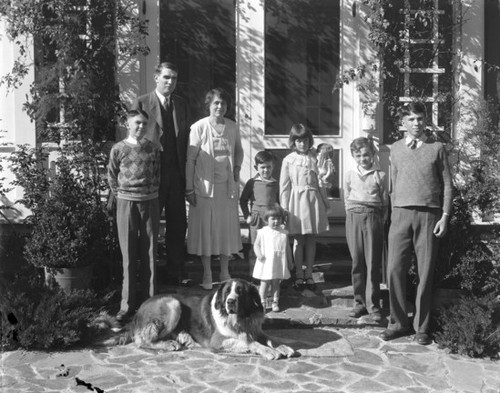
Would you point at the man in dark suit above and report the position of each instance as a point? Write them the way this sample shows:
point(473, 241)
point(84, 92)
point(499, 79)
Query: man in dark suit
point(168, 126)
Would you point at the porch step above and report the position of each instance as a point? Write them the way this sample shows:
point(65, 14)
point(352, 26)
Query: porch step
point(332, 269)
point(332, 256)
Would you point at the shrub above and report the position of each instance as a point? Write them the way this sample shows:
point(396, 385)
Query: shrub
point(477, 272)
point(67, 234)
point(11, 250)
point(467, 328)
point(459, 238)
point(36, 317)
point(70, 226)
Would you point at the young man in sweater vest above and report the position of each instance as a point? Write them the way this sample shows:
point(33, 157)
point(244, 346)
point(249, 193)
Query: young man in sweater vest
point(366, 203)
point(421, 196)
point(134, 178)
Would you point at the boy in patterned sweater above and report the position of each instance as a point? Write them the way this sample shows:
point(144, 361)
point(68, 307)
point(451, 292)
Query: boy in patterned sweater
point(134, 178)
point(421, 196)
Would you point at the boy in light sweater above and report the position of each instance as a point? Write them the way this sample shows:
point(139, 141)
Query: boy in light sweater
point(134, 178)
point(421, 196)
point(366, 203)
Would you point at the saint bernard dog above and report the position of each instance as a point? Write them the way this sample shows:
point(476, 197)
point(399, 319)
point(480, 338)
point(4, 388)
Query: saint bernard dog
point(227, 320)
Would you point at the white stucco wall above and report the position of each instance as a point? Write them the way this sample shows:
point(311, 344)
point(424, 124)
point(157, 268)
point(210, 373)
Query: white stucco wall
point(15, 125)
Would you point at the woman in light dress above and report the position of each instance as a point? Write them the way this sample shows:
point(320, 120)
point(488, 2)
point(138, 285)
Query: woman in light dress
point(214, 158)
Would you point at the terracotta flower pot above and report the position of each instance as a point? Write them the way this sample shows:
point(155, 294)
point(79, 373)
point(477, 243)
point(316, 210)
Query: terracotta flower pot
point(69, 279)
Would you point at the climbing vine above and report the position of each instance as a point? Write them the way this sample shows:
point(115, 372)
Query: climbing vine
point(75, 52)
point(394, 28)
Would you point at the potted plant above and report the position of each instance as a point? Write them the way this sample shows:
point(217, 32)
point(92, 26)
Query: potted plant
point(69, 226)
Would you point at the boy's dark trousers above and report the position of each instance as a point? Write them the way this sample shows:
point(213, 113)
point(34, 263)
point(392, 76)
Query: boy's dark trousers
point(138, 225)
point(364, 232)
point(412, 228)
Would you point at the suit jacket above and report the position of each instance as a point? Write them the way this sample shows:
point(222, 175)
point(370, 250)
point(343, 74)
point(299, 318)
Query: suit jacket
point(150, 104)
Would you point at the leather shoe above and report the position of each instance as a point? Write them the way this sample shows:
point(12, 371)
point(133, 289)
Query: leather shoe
point(423, 339)
point(187, 282)
point(358, 311)
point(376, 316)
point(390, 334)
point(123, 315)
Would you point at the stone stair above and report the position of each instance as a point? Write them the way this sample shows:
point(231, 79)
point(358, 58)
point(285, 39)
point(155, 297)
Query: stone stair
point(329, 304)
point(332, 261)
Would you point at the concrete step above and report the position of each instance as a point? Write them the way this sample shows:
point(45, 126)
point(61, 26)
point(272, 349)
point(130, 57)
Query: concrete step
point(336, 270)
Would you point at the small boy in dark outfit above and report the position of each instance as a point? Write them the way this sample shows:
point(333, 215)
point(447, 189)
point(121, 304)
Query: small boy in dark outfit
point(259, 193)
point(421, 196)
point(134, 178)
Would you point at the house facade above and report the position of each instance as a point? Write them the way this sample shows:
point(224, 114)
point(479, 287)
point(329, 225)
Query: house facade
point(280, 60)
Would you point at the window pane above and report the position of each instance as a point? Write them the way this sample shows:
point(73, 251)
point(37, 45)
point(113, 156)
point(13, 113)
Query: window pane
point(199, 37)
point(420, 25)
point(421, 85)
point(302, 62)
point(421, 56)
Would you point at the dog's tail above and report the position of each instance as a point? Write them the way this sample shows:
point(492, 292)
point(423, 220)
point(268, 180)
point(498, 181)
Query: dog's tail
point(106, 322)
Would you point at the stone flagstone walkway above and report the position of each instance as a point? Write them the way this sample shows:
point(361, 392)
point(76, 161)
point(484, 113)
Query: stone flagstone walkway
point(332, 360)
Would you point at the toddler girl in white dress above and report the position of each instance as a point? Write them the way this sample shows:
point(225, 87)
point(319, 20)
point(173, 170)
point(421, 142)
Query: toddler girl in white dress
point(274, 256)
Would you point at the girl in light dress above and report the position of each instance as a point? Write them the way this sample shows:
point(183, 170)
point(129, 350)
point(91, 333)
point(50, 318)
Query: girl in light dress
point(305, 201)
point(274, 256)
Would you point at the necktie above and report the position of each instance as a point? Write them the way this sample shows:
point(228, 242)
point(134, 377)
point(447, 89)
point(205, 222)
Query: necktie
point(413, 144)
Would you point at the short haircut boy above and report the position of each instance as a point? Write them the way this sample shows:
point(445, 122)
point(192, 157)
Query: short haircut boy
point(262, 157)
point(300, 131)
point(359, 143)
point(412, 107)
point(422, 200)
point(136, 112)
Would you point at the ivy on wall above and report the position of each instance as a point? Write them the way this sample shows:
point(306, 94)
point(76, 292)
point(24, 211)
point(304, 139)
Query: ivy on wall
point(414, 59)
point(75, 44)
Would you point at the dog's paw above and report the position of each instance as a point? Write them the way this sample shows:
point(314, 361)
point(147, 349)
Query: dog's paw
point(286, 351)
point(170, 345)
point(185, 339)
point(270, 353)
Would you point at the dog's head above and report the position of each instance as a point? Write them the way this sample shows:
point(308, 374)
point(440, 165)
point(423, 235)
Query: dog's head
point(238, 297)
